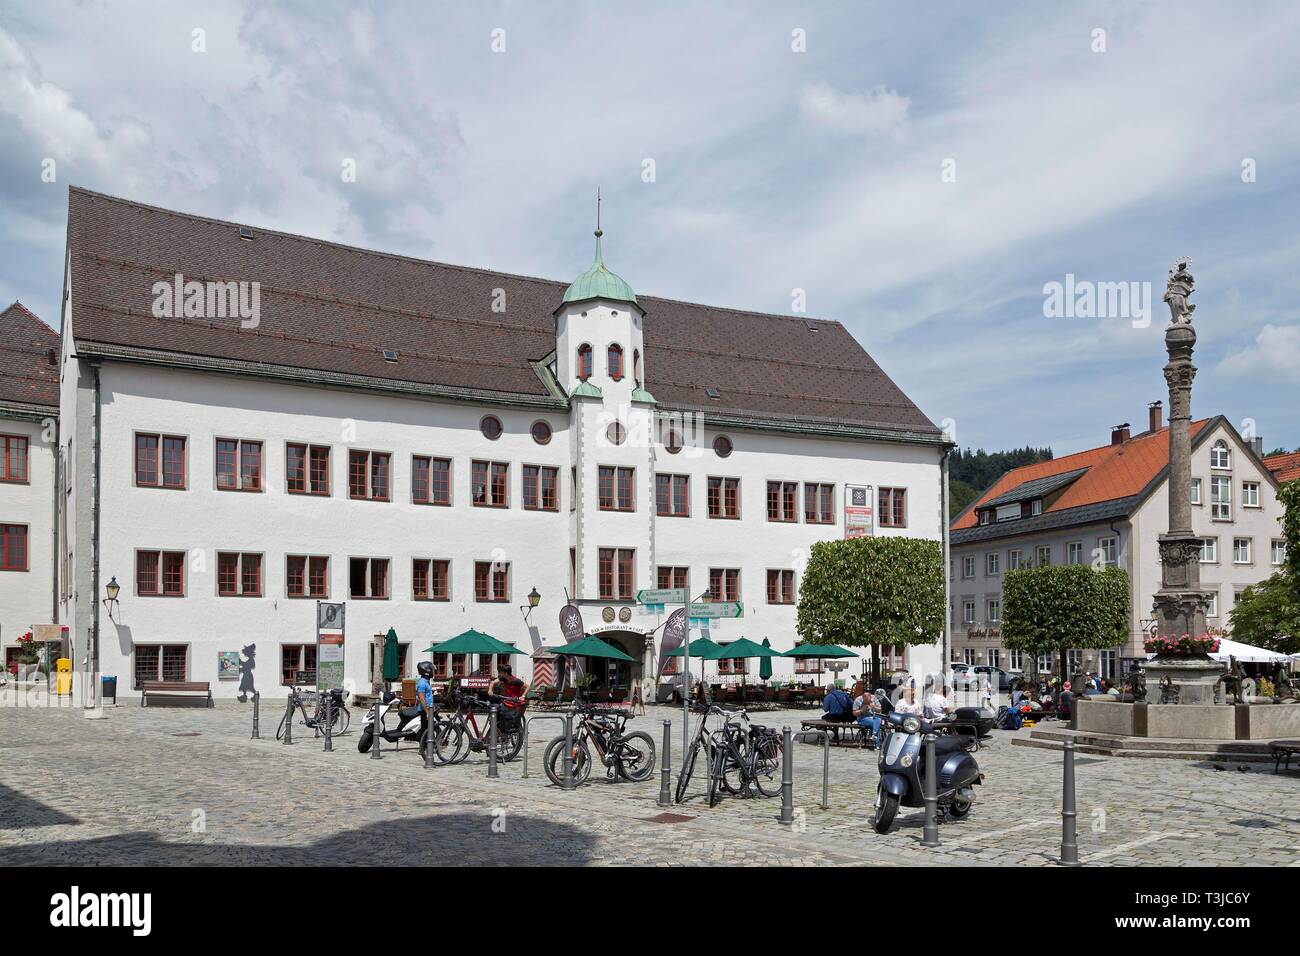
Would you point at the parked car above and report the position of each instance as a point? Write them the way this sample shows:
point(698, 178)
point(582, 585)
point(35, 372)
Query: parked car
point(972, 678)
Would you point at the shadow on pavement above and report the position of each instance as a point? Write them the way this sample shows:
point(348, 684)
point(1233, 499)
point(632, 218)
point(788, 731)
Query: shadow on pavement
point(18, 811)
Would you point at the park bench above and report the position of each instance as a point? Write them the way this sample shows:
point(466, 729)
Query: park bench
point(1282, 751)
point(852, 730)
point(175, 690)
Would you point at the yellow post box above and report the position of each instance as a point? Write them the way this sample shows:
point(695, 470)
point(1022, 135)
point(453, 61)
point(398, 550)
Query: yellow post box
point(63, 678)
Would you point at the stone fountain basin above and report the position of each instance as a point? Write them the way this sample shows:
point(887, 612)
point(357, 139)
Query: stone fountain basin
point(1188, 721)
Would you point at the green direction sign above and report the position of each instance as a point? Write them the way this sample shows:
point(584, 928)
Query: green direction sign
point(662, 596)
point(717, 609)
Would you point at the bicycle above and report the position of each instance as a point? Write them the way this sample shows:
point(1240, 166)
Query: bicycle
point(630, 756)
point(744, 756)
point(703, 740)
point(457, 736)
point(341, 716)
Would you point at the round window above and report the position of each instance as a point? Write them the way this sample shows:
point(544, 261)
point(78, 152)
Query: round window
point(673, 444)
point(541, 432)
point(722, 446)
point(616, 433)
point(490, 426)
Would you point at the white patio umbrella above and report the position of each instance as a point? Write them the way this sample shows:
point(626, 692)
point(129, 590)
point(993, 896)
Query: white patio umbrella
point(1246, 653)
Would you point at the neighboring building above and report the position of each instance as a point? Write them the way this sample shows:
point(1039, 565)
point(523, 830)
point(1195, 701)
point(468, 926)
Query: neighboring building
point(1284, 467)
point(1108, 505)
point(29, 412)
point(430, 443)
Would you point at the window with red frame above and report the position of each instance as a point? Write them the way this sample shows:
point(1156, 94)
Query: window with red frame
point(724, 584)
point(368, 577)
point(430, 480)
point(160, 573)
point(724, 497)
point(307, 469)
point(892, 512)
point(307, 575)
point(489, 484)
point(819, 503)
point(13, 458)
point(615, 488)
point(614, 360)
point(159, 662)
point(540, 488)
point(616, 573)
point(159, 461)
point(669, 576)
point(430, 579)
point(491, 581)
point(239, 575)
point(13, 547)
point(368, 473)
point(782, 501)
point(296, 659)
point(780, 587)
point(239, 465)
point(733, 666)
point(584, 362)
point(672, 496)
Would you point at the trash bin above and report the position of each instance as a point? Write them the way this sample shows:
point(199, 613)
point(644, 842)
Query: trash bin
point(63, 677)
point(107, 688)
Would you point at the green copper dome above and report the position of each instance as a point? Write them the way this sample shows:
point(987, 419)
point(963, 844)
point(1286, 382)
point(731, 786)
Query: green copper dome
point(599, 283)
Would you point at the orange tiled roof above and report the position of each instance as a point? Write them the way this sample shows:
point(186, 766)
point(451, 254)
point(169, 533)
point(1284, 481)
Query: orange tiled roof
point(1284, 467)
point(1113, 472)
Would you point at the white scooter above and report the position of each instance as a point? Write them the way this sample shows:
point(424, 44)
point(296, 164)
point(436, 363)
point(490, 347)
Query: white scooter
point(410, 723)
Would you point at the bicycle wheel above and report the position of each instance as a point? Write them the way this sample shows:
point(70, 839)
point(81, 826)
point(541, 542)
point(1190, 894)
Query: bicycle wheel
point(716, 774)
point(279, 732)
point(449, 742)
point(688, 769)
point(553, 761)
point(342, 718)
point(767, 766)
point(509, 742)
point(636, 757)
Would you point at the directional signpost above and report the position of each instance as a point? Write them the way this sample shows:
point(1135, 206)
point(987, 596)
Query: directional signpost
point(716, 609)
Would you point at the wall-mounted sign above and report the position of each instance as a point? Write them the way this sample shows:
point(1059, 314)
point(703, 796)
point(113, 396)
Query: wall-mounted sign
point(859, 516)
point(570, 623)
point(228, 665)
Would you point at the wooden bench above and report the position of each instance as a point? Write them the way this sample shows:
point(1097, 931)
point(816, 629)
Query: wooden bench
point(855, 732)
point(175, 690)
point(1282, 751)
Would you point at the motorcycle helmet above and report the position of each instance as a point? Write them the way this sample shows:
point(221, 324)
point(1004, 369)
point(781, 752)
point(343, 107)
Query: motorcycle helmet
point(425, 669)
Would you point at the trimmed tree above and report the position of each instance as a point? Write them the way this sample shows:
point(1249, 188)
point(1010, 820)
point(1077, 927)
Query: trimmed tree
point(1060, 606)
point(869, 592)
point(1267, 614)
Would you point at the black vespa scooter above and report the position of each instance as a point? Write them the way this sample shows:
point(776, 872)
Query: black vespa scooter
point(902, 769)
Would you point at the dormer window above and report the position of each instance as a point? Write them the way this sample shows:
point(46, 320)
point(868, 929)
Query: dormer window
point(1008, 512)
point(1036, 506)
point(614, 361)
point(985, 516)
point(1220, 456)
point(584, 362)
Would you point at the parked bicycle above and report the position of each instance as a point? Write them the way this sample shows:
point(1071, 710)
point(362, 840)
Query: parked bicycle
point(459, 734)
point(744, 756)
point(341, 716)
point(701, 742)
point(629, 756)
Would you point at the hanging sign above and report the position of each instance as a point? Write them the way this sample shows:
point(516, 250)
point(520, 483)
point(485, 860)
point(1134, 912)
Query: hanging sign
point(859, 519)
point(571, 623)
point(674, 634)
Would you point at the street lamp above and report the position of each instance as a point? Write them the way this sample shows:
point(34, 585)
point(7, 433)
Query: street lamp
point(534, 599)
point(111, 591)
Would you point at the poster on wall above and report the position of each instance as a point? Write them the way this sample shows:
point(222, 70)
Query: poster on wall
point(859, 519)
point(228, 665)
point(329, 646)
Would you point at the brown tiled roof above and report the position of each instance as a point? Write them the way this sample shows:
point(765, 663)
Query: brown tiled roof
point(332, 308)
point(1284, 467)
point(1110, 473)
point(26, 375)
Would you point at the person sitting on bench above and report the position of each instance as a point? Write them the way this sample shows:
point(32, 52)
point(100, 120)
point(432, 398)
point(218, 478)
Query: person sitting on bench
point(838, 706)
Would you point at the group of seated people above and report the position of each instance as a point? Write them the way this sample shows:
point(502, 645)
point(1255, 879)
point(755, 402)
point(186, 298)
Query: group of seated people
point(867, 709)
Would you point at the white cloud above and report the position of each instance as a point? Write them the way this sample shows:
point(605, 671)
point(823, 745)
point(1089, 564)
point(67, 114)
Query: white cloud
point(1275, 354)
point(878, 112)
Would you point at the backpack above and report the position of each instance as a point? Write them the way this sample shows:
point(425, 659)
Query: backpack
point(1008, 718)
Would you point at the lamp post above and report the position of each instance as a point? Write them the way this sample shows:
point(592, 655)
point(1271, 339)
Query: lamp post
point(534, 599)
point(111, 590)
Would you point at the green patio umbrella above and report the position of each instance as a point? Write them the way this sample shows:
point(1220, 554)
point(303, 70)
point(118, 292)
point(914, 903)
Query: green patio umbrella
point(746, 648)
point(591, 647)
point(701, 647)
point(819, 652)
point(392, 669)
point(472, 642)
point(765, 666)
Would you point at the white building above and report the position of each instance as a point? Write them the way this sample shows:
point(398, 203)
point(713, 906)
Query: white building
point(1109, 505)
point(430, 443)
point(29, 399)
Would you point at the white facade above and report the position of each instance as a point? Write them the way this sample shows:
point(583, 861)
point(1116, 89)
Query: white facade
point(201, 521)
point(27, 593)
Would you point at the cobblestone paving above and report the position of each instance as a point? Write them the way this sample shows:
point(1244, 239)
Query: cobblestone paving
point(137, 788)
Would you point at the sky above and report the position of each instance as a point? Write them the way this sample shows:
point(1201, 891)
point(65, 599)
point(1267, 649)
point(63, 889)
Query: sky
point(921, 172)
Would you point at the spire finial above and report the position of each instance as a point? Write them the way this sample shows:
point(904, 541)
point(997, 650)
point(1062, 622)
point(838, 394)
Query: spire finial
point(598, 231)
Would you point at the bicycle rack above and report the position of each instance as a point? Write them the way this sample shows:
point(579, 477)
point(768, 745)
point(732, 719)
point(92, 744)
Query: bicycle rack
point(528, 720)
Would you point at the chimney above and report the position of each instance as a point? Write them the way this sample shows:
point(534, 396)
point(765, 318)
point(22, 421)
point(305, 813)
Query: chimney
point(1155, 416)
point(1119, 434)
point(1257, 445)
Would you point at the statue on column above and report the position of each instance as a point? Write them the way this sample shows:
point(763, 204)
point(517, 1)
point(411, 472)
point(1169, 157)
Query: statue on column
point(1179, 287)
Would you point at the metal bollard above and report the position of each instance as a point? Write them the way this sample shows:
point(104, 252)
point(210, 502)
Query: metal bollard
point(930, 832)
point(665, 774)
point(288, 722)
point(257, 707)
point(492, 740)
point(787, 778)
point(329, 722)
point(1069, 823)
point(428, 742)
point(523, 727)
point(376, 726)
point(826, 770)
point(567, 779)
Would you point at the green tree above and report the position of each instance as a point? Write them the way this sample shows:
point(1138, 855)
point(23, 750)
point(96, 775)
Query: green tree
point(1057, 607)
point(960, 495)
point(869, 592)
point(1267, 614)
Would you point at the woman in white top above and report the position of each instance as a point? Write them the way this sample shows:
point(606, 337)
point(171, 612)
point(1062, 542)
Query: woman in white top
point(908, 703)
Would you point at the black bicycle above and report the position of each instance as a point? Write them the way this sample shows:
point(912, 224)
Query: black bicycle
point(702, 741)
point(456, 736)
point(629, 756)
point(744, 756)
point(340, 716)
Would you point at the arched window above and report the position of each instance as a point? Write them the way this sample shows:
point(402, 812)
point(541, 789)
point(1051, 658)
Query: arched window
point(636, 366)
point(584, 362)
point(1220, 457)
point(615, 361)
